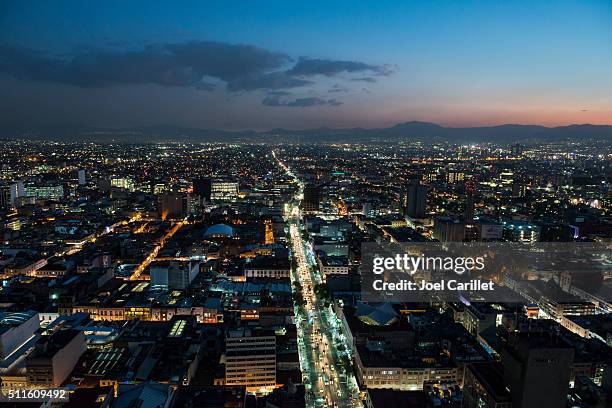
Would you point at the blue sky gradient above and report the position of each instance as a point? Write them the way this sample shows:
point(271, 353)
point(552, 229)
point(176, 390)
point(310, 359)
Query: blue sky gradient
point(455, 63)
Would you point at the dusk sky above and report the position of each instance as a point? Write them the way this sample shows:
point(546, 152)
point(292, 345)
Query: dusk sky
point(261, 65)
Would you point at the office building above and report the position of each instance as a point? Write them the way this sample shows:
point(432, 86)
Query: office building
point(173, 275)
point(5, 197)
point(414, 200)
point(484, 387)
point(250, 359)
point(203, 188)
point(454, 176)
point(124, 183)
point(470, 190)
point(489, 230)
point(537, 368)
point(174, 205)
point(312, 198)
point(448, 229)
point(221, 190)
point(81, 177)
point(9, 193)
point(54, 357)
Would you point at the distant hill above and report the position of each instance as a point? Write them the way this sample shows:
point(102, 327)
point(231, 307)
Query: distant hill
point(408, 130)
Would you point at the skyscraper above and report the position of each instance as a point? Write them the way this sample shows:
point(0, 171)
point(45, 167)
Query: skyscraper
point(5, 196)
point(312, 198)
point(537, 368)
point(9, 193)
point(250, 359)
point(414, 199)
point(81, 177)
point(202, 188)
point(174, 205)
point(470, 189)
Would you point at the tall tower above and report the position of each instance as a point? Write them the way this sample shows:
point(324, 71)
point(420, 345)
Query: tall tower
point(312, 198)
point(414, 199)
point(537, 368)
point(81, 177)
point(470, 189)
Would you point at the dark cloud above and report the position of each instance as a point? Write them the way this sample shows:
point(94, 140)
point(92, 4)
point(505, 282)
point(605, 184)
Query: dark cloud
point(337, 88)
point(274, 80)
point(365, 79)
point(183, 65)
point(201, 65)
point(311, 66)
point(280, 99)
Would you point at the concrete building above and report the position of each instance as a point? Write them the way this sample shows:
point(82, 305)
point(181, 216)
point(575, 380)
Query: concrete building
point(81, 177)
point(54, 358)
point(267, 267)
point(537, 368)
point(312, 198)
point(447, 229)
point(173, 275)
point(484, 387)
point(123, 182)
point(414, 200)
point(9, 193)
point(521, 231)
point(15, 329)
point(222, 190)
point(488, 230)
point(332, 265)
point(174, 205)
point(250, 359)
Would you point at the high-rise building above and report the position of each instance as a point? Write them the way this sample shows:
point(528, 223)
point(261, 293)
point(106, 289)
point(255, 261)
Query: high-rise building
point(202, 188)
point(123, 182)
point(174, 205)
point(312, 198)
point(48, 191)
point(483, 387)
point(173, 275)
point(414, 199)
point(222, 190)
point(454, 176)
point(81, 177)
point(519, 189)
point(5, 196)
point(9, 193)
point(537, 368)
point(369, 210)
point(14, 328)
point(447, 229)
point(470, 189)
point(250, 359)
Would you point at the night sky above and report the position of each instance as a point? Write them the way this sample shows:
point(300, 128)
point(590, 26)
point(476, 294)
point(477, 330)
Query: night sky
point(260, 65)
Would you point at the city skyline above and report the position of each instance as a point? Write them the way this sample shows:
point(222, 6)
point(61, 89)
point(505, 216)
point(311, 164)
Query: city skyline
point(314, 204)
point(294, 66)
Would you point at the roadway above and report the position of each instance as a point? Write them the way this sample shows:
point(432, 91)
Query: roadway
point(322, 347)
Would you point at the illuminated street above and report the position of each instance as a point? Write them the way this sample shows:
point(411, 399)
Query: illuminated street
point(327, 380)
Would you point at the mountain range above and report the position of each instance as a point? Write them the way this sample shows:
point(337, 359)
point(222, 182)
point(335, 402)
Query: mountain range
point(409, 130)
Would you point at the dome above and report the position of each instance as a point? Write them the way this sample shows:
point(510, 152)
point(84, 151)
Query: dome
point(219, 230)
